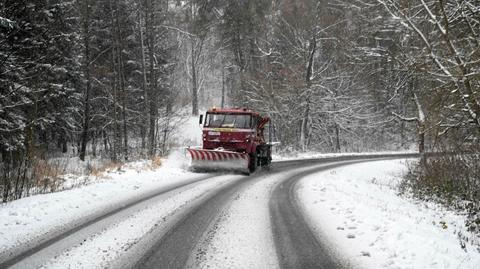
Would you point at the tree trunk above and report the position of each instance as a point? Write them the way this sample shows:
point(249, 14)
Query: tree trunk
point(421, 146)
point(337, 139)
point(86, 113)
point(194, 81)
point(116, 132)
point(337, 130)
point(94, 144)
point(304, 127)
point(105, 141)
point(308, 80)
point(153, 106)
point(144, 85)
point(222, 105)
point(165, 131)
point(421, 126)
point(121, 77)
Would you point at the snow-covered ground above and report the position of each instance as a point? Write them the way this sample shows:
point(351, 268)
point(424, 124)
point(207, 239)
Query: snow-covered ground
point(33, 218)
point(358, 210)
point(355, 207)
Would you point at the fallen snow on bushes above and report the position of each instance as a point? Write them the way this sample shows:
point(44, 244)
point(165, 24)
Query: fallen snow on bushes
point(357, 209)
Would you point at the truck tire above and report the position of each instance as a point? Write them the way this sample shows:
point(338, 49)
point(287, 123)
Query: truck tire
point(253, 163)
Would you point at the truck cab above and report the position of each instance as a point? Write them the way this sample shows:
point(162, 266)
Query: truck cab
point(239, 130)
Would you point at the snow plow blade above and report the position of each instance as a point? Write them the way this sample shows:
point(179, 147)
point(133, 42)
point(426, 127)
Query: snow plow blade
point(214, 160)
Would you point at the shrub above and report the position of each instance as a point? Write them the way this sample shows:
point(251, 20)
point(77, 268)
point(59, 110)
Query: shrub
point(23, 177)
point(156, 162)
point(451, 179)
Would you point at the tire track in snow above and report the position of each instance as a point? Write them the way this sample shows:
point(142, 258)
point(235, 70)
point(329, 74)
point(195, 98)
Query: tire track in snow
point(242, 235)
point(191, 243)
point(87, 224)
point(109, 248)
point(173, 249)
point(296, 244)
point(192, 236)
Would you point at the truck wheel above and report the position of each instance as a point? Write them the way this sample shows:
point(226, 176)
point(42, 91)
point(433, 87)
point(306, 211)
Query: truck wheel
point(253, 163)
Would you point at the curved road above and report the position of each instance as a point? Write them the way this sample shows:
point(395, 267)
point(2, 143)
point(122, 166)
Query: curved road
point(176, 244)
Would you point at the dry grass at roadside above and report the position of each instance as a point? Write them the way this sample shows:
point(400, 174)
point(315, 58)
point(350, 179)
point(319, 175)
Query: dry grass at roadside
point(99, 171)
point(156, 162)
point(46, 176)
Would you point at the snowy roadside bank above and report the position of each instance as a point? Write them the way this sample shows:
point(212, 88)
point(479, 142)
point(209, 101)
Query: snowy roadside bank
point(37, 217)
point(316, 155)
point(358, 210)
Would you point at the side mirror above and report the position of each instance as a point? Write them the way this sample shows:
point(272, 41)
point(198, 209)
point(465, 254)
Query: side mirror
point(200, 120)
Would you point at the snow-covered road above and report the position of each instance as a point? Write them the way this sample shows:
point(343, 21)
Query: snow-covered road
point(101, 244)
point(333, 212)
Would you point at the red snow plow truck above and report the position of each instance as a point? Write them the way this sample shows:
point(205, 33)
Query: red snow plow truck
point(233, 139)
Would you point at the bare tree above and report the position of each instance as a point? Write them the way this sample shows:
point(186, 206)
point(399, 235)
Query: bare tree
point(86, 108)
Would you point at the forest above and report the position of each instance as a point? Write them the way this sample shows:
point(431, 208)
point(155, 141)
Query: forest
point(116, 79)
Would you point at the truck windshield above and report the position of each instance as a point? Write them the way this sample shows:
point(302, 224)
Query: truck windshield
point(241, 121)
